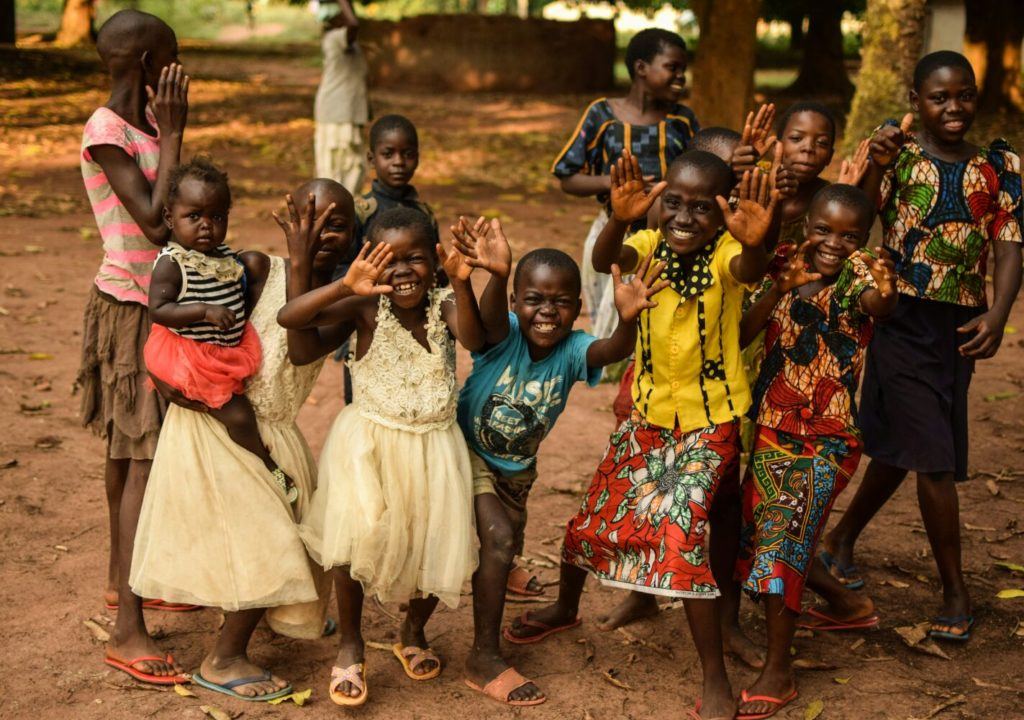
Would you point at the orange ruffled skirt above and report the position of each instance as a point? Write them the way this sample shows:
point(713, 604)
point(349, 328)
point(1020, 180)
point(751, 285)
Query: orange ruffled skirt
point(203, 372)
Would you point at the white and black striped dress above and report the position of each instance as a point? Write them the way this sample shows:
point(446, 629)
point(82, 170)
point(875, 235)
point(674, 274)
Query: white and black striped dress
point(200, 287)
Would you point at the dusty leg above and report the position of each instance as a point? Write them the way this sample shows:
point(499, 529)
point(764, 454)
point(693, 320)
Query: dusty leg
point(716, 697)
point(940, 510)
point(350, 625)
point(229, 660)
point(776, 679)
point(115, 476)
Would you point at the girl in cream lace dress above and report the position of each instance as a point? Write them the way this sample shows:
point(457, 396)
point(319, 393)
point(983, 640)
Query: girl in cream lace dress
point(393, 511)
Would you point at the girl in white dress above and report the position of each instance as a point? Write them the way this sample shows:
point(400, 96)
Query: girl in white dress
point(393, 511)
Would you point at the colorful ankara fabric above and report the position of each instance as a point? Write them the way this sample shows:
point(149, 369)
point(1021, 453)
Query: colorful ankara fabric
point(788, 491)
point(642, 522)
point(814, 352)
point(939, 219)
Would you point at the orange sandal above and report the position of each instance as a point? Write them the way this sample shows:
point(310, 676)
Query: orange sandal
point(502, 686)
point(128, 666)
point(355, 674)
point(519, 582)
point(412, 657)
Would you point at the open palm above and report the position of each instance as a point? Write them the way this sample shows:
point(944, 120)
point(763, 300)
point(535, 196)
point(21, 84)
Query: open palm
point(367, 269)
point(796, 273)
point(750, 221)
point(634, 297)
point(630, 198)
point(484, 245)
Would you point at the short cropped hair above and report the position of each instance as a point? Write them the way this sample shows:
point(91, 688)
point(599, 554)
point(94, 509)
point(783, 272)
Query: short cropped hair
point(392, 123)
point(710, 139)
point(646, 44)
point(708, 164)
point(199, 168)
point(847, 196)
point(807, 106)
point(548, 257)
point(940, 59)
point(404, 218)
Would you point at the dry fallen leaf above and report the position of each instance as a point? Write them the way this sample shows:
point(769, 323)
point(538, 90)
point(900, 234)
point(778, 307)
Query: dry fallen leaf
point(857, 643)
point(916, 638)
point(378, 645)
point(808, 664)
point(609, 676)
point(948, 704)
point(97, 632)
point(841, 681)
point(7, 464)
point(993, 487)
point(968, 526)
point(993, 686)
point(184, 691)
point(814, 709)
point(1012, 567)
point(215, 712)
point(896, 584)
point(40, 356)
point(299, 698)
point(1010, 594)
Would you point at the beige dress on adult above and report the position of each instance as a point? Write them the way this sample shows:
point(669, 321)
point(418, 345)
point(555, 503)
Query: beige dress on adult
point(395, 495)
point(215, 527)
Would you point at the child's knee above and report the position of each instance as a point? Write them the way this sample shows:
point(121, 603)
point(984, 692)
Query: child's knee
point(498, 540)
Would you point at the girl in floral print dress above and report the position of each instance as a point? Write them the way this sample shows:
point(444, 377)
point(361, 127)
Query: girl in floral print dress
point(817, 319)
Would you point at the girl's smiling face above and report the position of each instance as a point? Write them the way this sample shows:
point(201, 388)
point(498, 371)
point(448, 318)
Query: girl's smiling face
point(412, 269)
point(837, 231)
point(946, 104)
point(690, 216)
point(198, 215)
point(665, 74)
point(808, 140)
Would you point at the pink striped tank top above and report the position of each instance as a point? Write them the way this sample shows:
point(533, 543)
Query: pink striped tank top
point(127, 255)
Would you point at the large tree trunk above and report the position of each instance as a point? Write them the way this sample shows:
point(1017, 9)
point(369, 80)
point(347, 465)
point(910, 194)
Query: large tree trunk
point(992, 42)
point(723, 71)
point(795, 20)
point(76, 23)
point(893, 37)
point(7, 34)
point(822, 71)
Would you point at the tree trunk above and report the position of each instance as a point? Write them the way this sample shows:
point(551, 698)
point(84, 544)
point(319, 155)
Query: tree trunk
point(7, 28)
point(893, 38)
point(992, 42)
point(76, 23)
point(796, 30)
point(822, 71)
point(723, 70)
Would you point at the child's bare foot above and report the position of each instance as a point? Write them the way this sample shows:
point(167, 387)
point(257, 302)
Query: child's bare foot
point(851, 606)
point(717, 702)
point(140, 644)
point(224, 670)
point(482, 668)
point(737, 644)
point(412, 636)
point(636, 606)
point(349, 653)
point(773, 683)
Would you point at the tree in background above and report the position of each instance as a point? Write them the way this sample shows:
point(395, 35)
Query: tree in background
point(77, 23)
point(992, 42)
point(7, 34)
point(893, 39)
point(723, 70)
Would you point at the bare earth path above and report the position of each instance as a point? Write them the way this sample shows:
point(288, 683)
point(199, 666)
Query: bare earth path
point(486, 154)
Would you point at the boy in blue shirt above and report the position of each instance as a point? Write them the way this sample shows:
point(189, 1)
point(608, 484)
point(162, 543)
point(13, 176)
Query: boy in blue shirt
point(524, 364)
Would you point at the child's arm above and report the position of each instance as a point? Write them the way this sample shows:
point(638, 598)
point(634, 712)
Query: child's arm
point(990, 326)
point(749, 223)
point(794, 275)
point(630, 201)
point(630, 300)
point(462, 318)
point(583, 185)
point(164, 308)
point(486, 247)
point(145, 201)
point(880, 301)
point(884, 146)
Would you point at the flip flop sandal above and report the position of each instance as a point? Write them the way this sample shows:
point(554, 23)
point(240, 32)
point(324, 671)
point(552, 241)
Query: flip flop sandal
point(695, 713)
point(412, 657)
point(126, 666)
point(952, 622)
point(330, 627)
point(355, 674)
point(504, 685)
point(157, 604)
point(827, 623)
point(545, 630)
point(778, 702)
point(228, 688)
point(519, 582)
point(845, 571)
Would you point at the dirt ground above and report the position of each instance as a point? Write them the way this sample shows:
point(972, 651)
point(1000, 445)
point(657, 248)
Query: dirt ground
point(484, 154)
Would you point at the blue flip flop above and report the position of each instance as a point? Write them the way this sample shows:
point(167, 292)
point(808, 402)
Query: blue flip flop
point(844, 571)
point(952, 622)
point(228, 687)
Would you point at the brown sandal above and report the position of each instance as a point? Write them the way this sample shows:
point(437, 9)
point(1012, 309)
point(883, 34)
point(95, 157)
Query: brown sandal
point(502, 686)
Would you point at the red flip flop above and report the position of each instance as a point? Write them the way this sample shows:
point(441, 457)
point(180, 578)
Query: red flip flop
point(827, 623)
point(157, 604)
point(545, 629)
point(125, 666)
point(779, 703)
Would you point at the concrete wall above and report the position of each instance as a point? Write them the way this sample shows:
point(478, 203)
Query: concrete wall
point(477, 53)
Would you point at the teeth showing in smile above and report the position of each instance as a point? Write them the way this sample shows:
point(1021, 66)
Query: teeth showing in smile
point(406, 288)
point(828, 257)
point(683, 235)
point(544, 327)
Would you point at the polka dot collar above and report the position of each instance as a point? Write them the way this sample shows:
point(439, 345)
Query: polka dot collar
point(689, 275)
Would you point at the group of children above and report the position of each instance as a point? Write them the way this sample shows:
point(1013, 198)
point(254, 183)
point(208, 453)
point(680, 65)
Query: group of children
point(712, 240)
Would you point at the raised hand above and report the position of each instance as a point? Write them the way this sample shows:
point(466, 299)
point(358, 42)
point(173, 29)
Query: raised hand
point(851, 172)
point(169, 101)
point(484, 245)
point(220, 315)
point(782, 178)
point(795, 273)
point(882, 270)
point(750, 221)
point(302, 230)
point(367, 268)
point(454, 263)
point(630, 198)
point(634, 297)
point(888, 139)
point(757, 129)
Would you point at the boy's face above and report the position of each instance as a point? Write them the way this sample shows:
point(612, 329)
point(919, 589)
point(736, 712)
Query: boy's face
point(411, 270)
point(665, 74)
point(546, 300)
point(198, 217)
point(946, 103)
point(690, 216)
point(807, 145)
point(395, 158)
point(838, 232)
point(337, 233)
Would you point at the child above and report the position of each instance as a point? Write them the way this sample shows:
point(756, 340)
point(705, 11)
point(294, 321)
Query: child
point(341, 108)
point(817, 317)
point(217, 500)
point(945, 205)
point(720, 141)
point(393, 512)
point(201, 344)
point(642, 522)
point(524, 366)
point(649, 122)
point(129, 148)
